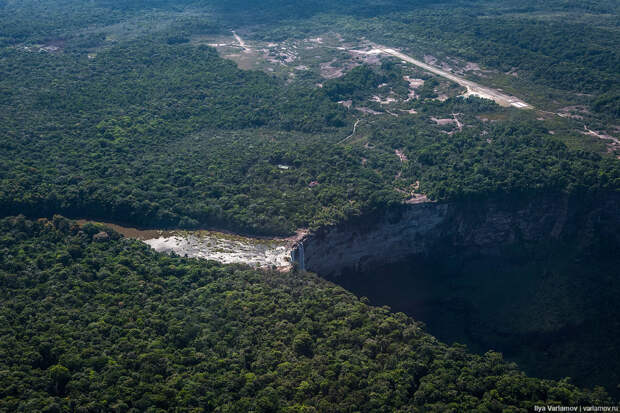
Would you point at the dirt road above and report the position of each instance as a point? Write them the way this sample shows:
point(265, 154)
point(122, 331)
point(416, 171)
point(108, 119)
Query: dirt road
point(240, 41)
point(473, 89)
point(352, 134)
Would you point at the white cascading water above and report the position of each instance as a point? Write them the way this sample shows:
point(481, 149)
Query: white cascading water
point(299, 253)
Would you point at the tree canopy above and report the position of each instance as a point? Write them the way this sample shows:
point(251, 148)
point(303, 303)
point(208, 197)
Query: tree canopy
point(92, 323)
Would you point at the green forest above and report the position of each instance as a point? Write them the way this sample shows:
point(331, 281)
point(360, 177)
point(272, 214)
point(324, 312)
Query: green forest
point(154, 114)
point(154, 132)
point(557, 51)
point(91, 321)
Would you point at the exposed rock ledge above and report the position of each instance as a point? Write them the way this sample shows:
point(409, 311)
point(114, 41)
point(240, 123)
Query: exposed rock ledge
point(477, 226)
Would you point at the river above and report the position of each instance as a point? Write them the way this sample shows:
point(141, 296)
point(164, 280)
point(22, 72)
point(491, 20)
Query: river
point(217, 246)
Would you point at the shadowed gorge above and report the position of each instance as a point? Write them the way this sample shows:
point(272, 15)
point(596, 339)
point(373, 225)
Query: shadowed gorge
point(534, 278)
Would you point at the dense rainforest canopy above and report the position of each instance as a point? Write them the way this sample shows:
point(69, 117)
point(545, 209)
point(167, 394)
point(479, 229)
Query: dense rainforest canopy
point(90, 321)
point(153, 113)
point(156, 131)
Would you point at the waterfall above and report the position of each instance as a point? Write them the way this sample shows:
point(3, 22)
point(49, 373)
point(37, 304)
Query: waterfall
point(297, 256)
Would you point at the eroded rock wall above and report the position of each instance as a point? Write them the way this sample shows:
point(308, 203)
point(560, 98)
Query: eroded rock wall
point(475, 226)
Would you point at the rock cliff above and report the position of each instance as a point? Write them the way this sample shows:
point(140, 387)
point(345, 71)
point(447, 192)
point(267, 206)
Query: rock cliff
point(533, 277)
point(484, 226)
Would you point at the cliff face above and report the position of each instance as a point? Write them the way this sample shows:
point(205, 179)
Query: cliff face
point(469, 227)
point(535, 278)
point(376, 239)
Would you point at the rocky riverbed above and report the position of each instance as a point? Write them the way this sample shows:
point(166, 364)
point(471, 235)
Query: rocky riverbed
point(225, 248)
point(217, 246)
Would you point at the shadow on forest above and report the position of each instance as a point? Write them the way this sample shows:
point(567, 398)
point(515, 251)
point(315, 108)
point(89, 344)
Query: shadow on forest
point(554, 312)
